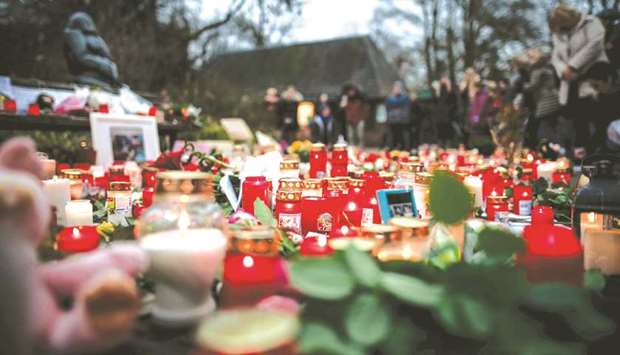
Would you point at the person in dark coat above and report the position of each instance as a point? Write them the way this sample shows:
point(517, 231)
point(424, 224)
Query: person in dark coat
point(323, 126)
point(398, 106)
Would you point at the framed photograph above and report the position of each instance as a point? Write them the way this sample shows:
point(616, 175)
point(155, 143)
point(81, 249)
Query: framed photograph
point(124, 138)
point(396, 203)
point(237, 129)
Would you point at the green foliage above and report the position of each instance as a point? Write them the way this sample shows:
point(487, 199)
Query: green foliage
point(559, 198)
point(208, 128)
point(398, 308)
point(497, 246)
point(450, 201)
point(263, 213)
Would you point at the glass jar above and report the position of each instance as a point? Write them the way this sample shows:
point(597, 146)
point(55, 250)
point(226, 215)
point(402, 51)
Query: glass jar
point(421, 190)
point(312, 188)
point(288, 210)
point(253, 188)
point(289, 169)
point(318, 161)
point(406, 175)
point(522, 200)
point(118, 201)
point(317, 215)
point(353, 205)
point(117, 173)
point(184, 200)
point(76, 184)
point(340, 160)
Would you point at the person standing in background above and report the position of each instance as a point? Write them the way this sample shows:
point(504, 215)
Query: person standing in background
point(323, 126)
point(444, 114)
point(352, 104)
point(580, 61)
point(289, 100)
point(398, 106)
point(541, 95)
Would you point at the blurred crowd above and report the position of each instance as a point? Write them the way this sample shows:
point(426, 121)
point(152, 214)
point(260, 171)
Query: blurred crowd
point(566, 95)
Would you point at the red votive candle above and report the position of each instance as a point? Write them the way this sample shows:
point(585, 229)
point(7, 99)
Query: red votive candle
point(288, 210)
point(561, 176)
point(496, 204)
point(77, 239)
point(117, 174)
point(104, 108)
point(353, 204)
point(318, 161)
point(315, 246)
point(147, 196)
point(10, 105)
point(370, 204)
point(34, 110)
point(149, 177)
point(522, 200)
point(253, 188)
point(317, 215)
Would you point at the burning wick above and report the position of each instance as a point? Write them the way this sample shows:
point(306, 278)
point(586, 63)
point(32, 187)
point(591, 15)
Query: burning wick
point(248, 261)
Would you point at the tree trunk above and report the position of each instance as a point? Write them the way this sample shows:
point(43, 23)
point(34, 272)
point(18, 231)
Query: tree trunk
point(434, 40)
point(429, 63)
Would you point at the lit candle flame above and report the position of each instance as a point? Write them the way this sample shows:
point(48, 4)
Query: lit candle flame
point(248, 261)
point(407, 252)
point(76, 232)
point(321, 241)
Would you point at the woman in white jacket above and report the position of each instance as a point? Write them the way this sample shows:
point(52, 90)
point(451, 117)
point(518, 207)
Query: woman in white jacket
point(580, 61)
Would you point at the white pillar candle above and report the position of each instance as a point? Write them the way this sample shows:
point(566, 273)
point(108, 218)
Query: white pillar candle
point(546, 170)
point(135, 174)
point(58, 194)
point(97, 171)
point(474, 184)
point(79, 213)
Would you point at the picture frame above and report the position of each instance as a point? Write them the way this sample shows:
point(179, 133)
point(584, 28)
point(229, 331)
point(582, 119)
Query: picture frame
point(119, 137)
point(396, 203)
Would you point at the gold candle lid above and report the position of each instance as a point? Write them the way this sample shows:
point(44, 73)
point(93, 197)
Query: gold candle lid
point(289, 165)
point(174, 183)
point(317, 147)
point(381, 232)
point(410, 226)
point(117, 170)
point(288, 196)
point(423, 178)
point(72, 174)
point(312, 184)
point(290, 184)
point(386, 175)
point(339, 183)
point(359, 183)
point(412, 167)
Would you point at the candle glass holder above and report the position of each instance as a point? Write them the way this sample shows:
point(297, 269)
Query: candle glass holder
point(253, 188)
point(182, 198)
point(318, 161)
point(76, 184)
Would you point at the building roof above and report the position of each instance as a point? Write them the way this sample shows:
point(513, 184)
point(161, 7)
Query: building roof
point(313, 68)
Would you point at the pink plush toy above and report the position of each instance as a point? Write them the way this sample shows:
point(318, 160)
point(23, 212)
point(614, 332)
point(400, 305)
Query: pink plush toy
point(101, 284)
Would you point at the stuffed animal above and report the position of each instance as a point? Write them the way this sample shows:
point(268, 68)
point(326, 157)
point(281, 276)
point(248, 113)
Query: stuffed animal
point(100, 284)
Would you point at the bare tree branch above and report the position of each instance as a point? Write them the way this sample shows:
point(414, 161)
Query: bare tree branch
point(231, 13)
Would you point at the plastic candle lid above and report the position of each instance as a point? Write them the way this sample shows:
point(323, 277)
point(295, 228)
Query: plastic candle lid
point(244, 331)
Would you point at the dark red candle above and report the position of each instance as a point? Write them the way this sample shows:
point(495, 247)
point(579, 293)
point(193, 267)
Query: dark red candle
point(353, 204)
point(253, 188)
point(34, 110)
point(10, 105)
point(318, 161)
point(370, 204)
point(317, 215)
point(77, 239)
point(147, 196)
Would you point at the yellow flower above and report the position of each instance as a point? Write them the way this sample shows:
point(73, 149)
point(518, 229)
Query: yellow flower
point(105, 229)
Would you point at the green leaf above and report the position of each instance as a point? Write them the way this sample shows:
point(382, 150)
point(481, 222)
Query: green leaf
point(411, 290)
point(367, 320)
point(449, 200)
point(263, 213)
point(465, 316)
point(323, 278)
point(404, 335)
point(594, 280)
point(498, 246)
point(316, 338)
point(363, 266)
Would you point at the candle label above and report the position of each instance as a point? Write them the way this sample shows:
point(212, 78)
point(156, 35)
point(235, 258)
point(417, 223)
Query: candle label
point(290, 222)
point(525, 207)
point(324, 223)
point(119, 204)
point(367, 216)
